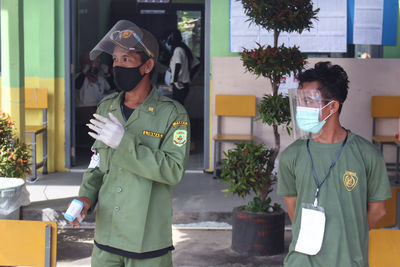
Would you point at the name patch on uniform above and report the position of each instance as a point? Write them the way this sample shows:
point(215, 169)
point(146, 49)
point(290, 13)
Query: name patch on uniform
point(179, 123)
point(180, 137)
point(350, 180)
point(152, 134)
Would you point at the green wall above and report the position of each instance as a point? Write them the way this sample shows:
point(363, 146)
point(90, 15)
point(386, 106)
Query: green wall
point(59, 39)
point(31, 34)
point(393, 51)
point(44, 38)
point(219, 29)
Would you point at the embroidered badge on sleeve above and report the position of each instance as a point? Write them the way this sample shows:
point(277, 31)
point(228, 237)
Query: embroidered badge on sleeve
point(180, 137)
point(179, 123)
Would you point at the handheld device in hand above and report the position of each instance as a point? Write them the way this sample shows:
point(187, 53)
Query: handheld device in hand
point(74, 211)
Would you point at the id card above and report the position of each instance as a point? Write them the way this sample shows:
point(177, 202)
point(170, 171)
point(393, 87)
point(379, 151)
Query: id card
point(95, 160)
point(312, 229)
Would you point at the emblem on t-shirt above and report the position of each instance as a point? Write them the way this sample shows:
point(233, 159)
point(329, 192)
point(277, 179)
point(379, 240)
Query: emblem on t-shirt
point(350, 180)
point(180, 137)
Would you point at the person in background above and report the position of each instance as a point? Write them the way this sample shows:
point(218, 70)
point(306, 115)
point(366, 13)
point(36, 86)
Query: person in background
point(181, 65)
point(92, 82)
point(140, 154)
point(334, 182)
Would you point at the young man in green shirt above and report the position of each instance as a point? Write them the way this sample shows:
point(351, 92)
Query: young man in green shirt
point(141, 149)
point(335, 183)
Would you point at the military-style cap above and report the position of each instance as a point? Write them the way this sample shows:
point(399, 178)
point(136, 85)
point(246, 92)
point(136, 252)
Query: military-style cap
point(129, 36)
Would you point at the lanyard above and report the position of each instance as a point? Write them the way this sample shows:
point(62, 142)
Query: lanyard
point(330, 168)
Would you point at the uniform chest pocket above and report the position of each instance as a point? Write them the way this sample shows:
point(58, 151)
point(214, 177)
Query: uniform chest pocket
point(104, 152)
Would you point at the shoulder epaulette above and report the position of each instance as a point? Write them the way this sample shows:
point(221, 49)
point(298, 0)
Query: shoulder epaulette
point(110, 96)
point(178, 106)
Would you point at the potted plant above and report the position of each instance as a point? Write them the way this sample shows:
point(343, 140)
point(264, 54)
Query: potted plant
point(14, 167)
point(272, 62)
point(258, 227)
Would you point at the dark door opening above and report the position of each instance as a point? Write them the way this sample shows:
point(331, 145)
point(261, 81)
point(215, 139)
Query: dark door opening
point(95, 18)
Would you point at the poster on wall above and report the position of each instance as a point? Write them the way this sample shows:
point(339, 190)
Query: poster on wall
point(372, 22)
point(368, 19)
point(328, 34)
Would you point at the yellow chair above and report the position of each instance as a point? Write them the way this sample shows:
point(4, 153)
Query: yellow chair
point(36, 98)
point(386, 107)
point(384, 248)
point(28, 243)
point(232, 106)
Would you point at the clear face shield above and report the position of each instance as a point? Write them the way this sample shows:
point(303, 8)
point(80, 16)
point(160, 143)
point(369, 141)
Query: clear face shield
point(128, 36)
point(307, 112)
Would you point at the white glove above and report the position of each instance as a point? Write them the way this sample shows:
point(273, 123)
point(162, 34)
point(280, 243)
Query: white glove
point(109, 131)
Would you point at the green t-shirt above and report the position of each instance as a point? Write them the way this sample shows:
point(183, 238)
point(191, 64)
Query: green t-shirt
point(358, 177)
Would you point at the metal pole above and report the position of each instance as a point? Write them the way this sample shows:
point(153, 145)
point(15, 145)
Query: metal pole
point(67, 85)
point(47, 250)
point(207, 62)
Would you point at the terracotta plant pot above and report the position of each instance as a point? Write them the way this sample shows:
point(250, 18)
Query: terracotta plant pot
point(258, 234)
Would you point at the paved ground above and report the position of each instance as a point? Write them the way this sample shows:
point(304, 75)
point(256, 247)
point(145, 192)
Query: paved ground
point(193, 248)
point(198, 198)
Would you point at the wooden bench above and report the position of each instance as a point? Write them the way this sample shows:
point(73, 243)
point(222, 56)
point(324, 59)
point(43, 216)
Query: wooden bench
point(36, 98)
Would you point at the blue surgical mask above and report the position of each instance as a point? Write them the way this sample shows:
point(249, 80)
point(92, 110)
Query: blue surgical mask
point(308, 119)
point(169, 47)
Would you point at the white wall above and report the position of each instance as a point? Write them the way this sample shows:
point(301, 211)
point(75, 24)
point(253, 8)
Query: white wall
point(368, 77)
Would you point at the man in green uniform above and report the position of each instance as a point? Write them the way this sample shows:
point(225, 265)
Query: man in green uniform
point(334, 183)
point(140, 153)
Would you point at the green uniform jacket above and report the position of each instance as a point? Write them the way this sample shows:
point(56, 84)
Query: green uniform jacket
point(133, 183)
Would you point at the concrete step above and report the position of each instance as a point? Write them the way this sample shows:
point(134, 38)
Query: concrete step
point(53, 210)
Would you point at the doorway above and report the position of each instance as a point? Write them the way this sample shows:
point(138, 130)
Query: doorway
point(93, 19)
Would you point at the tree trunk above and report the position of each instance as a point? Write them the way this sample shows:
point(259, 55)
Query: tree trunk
point(277, 143)
point(275, 87)
point(276, 35)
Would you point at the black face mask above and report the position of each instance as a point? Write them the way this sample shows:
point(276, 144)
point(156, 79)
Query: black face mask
point(126, 79)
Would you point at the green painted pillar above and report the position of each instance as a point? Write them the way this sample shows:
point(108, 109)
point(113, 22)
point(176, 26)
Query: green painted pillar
point(12, 63)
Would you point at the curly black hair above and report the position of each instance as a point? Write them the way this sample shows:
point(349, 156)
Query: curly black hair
point(333, 80)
